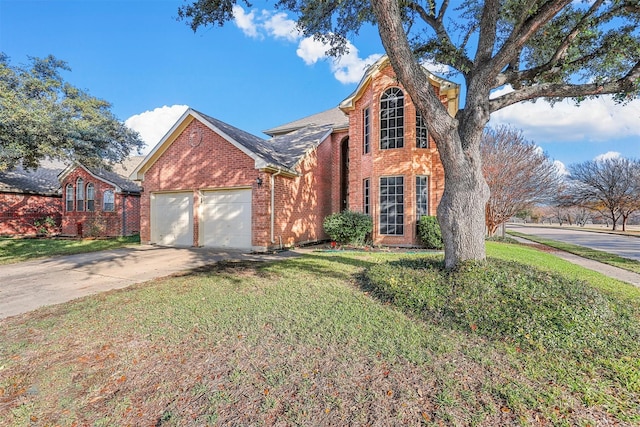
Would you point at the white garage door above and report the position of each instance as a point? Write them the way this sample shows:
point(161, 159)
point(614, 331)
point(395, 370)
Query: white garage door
point(226, 219)
point(172, 219)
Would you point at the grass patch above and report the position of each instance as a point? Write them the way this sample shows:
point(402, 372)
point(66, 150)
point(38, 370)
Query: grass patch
point(301, 342)
point(600, 256)
point(16, 250)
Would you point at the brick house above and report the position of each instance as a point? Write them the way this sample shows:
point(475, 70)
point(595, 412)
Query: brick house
point(207, 183)
point(99, 202)
point(28, 197)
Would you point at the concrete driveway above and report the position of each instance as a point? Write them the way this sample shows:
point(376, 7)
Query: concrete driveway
point(28, 285)
point(624, 246)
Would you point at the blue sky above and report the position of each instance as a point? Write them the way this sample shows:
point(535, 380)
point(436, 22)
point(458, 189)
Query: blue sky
point(254, 73)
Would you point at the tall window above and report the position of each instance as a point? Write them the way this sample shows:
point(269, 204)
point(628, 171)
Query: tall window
point(91, 197)
point(422, 138)
point(69, 197)
point(392, 119)
point(366, 205)
point(108, 201)
point(80, 194)
point(422, 196)
point(392, 205)
point(366, 130)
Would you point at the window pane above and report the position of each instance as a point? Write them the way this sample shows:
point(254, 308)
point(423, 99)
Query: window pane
point(391, 118)
point(392, 205)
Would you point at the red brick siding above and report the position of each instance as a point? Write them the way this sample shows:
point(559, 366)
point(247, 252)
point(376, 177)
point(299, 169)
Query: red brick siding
point(302, 203)
point(408, 161)
point(214, 163)
point(18, 212)
point(99, 223)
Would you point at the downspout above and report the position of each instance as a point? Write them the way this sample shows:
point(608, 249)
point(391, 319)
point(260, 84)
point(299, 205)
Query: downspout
point(272, 180)
point(124, 214)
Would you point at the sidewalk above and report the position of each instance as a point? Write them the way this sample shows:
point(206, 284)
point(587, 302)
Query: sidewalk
point(606, 269)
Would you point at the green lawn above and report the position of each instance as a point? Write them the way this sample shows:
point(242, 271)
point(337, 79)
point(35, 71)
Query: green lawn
point(600, 256)
point(17, 250)
point(311, 341)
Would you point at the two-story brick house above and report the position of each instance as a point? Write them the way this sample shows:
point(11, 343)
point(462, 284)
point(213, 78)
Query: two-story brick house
point(207, 183)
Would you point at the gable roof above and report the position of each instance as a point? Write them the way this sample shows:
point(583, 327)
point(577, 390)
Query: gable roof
point(448, 88)
point(280, 153)
point(121, 183)
point(334, 117)
point(42, 181)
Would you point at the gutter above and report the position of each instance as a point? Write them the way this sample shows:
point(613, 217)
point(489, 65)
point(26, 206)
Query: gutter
point(272, 181)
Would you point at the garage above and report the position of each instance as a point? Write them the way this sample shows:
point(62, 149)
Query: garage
point(226, 219)
point(172, 219)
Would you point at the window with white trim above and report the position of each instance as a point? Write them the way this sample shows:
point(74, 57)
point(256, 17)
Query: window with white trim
point(392, 205)
point(392, 119)
point(422, 137)
point(108, 201)
point(91, 197)
point(69, 198)
point(422, 196)
point(80, 194)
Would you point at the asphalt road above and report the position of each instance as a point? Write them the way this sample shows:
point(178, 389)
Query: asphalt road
point(28, 285)
point(624, 246)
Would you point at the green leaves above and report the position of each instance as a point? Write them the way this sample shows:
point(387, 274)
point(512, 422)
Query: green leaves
point(42, 116)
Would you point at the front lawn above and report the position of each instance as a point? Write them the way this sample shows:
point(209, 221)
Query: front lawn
point(316, 341)
point(17, 250)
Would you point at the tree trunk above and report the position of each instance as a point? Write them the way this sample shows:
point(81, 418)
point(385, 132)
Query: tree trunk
point(461, 213)
point(462, 207)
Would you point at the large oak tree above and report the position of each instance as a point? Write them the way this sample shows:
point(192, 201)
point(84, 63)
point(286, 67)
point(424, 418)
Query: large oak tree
point(43, 116)
point(541, 49)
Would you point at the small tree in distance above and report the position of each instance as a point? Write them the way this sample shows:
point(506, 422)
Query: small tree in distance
point(518, 173)
point(608, 186)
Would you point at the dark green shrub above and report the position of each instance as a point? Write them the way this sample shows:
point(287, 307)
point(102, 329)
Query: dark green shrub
point(429, 232)
point(348, 227)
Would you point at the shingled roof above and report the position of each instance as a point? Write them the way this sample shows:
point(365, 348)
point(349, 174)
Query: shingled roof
point(43, 181)
point(282, 152)
point(334, 117)
point(123, 184)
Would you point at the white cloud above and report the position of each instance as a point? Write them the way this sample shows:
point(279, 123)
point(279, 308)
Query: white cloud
point(280, 26)
point(245, 21)
point(311, 51)
point(562, 169)
point(348, 68)
point(609, 155)
point(598, 119)
point(153, 125)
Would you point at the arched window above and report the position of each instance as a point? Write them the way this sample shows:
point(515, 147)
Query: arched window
point(108, 204)
point(392, 119)
point(91, 198)
point(69, 197)
point(80, 194)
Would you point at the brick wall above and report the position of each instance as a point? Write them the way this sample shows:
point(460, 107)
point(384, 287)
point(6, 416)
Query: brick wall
point(18, 212)
point(302, 203)
point(213, 163)
point(99, 223)
point(408, 161)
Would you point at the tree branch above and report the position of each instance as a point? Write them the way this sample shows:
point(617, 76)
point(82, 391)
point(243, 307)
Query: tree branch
point(564, 90)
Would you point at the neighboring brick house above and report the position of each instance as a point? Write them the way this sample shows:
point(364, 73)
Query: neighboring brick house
point(207, 183)
point(98, 202)
point(27, 197)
